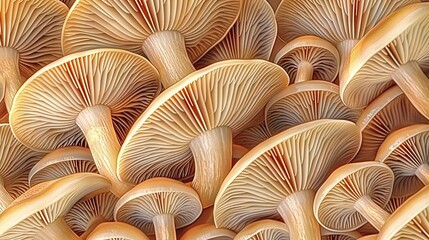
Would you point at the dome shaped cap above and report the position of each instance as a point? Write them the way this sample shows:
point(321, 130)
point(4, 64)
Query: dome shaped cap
point(116, 231)
point(264, 229)
point(207, 232)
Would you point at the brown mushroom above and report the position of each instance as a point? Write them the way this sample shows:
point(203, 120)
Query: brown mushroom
point(116, 231)
point(264, 229)
point(208, 232)
point(94, 96)
point(172, 34)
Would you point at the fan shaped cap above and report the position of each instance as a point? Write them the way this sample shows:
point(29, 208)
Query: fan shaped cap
point(208, 232)
point(309, 57)
point(60, 163)
point(335, 201)
point(116, 231)
point(300, 158)
point(44, 203)
point(251, 37)
point(264, 229)
point(304, 102)
point(158, 196)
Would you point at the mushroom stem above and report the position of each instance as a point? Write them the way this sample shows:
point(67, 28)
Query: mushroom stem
point(212, 152)
point(415, 84)
point(10, 76)
point(96, 124)
point(92, 225)
point(304, 72)
point(375, 215)
point(344, 49)
point(57, 230)
point(5, 198)
point(422, 173)
point(297, 212)
point(165, 228)
point(167, 52)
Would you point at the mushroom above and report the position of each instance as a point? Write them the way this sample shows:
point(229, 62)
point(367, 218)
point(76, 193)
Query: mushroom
point(38, 213)
point(208, 232)
point(394, 203)
point(396, 49)
point(16, 161)
point(159, 205)
point(60, 163)
point(94, 96)
point(116, 231)
point(251, 137)
point(341, 22)
point(309, 57)
point(91, 211)
point(172, 34)
point(354, 194)
point(281, 175)
point(251, 37)
point(304, 102)
point(193, 123)
point(406, 152)
point(30, 39)
point(389, 112)
point(264, 229)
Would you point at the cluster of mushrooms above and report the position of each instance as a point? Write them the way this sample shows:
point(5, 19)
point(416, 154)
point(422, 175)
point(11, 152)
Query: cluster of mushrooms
point(214, 119)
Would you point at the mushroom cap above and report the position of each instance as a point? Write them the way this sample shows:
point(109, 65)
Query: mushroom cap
point(251, 37)
point(251, 137)
point(123, 81)
point(398, 39)
point(33, 29)
point(304, 102)
point(335, 20)
point(81, 215)
point(341, 236)
point(410, 221)
point(45, 202)
point(208, 232)
point(158, 196)
point(390, 111)
point(108, 24)
point(228, 93)
point(394, 203)
point(321, 54)
point(60, 163)
point(404, 151)
point(116, 231)
point(335, 200)
point(16, 161)
point(300, 158)
point(264, 229)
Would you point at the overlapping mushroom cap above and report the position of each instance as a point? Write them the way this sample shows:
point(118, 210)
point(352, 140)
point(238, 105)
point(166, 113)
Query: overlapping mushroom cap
point(207, 232)
point(116, 231)
point(264, 229)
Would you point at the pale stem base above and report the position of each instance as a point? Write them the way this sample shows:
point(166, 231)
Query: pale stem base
point(304, 72)
point(375, 215)
point(165, 228)
point(57, 230)
point(10, 76)
point(423, 173)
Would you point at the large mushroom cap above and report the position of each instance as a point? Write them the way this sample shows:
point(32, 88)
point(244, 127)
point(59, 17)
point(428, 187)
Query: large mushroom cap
point(406, 152)
point(309, 57)
point(389, 112)
point(396, 48)
point(304, 102)
point(251, 37)
point(264, 229)
point(55, 96)
point(116, 231)
point(100, 24)
point(297, 159)
point(44, 203)
point(335, 202)
point(208, 232)
point(60, 163)
point(158, 196)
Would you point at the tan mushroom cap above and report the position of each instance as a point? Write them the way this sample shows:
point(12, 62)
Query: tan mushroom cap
point(347, 199)
point(37, 213)
point(288, 166)
point(251, 37)
point(91, 211)
point(341, 236)
point(60, 163)
point(16, 161)
point(251, 137)
point(116, 231)
point(264, 229)
point(208, 232)
point(156, 203)
point(30, 39)
point(406, 152)
point(397, 48)
point(309, 57)
point(194, 121)
point(304, 102)
point(389, 112)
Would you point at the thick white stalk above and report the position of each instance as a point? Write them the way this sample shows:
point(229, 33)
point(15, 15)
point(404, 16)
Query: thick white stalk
point(304, 72)
point(165, 228)
point(375, 215)
point(10, 76)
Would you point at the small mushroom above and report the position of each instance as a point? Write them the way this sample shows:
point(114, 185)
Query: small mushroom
point(309, 57)
point(208, 232)
point(159, 205)
point(264, 229)
point(116, 231)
